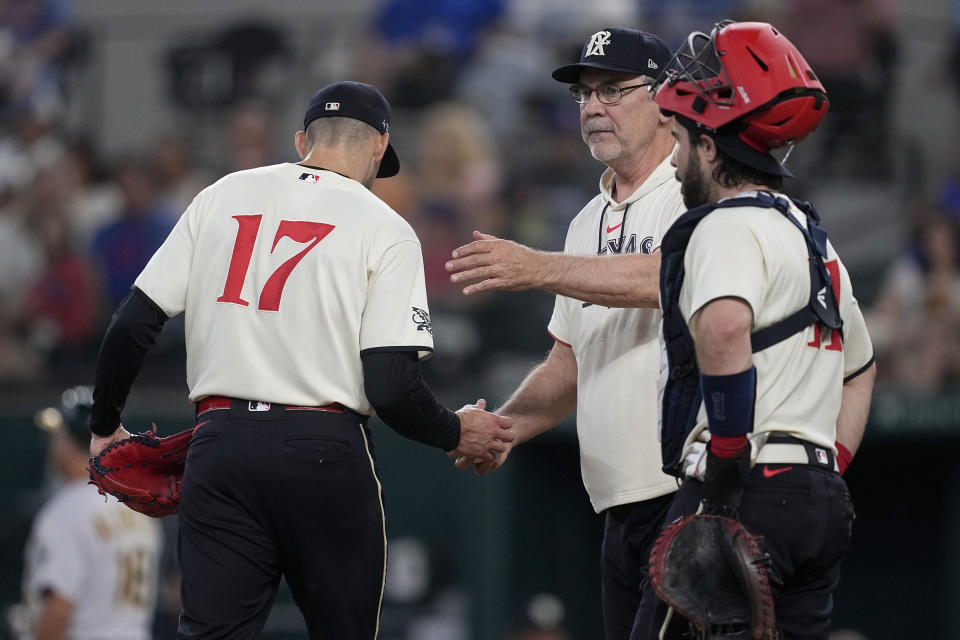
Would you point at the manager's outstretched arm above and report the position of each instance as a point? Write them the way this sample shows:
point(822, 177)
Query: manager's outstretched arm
point(491, 263)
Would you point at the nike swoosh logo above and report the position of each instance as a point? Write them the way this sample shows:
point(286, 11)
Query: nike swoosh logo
point(769, 473)
point(614, 228)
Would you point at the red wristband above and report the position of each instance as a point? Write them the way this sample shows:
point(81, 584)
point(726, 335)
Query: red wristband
point(843, 457)
point(728, 446)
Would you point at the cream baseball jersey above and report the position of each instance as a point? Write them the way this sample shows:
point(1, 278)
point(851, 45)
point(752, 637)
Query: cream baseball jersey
point(755, 254)
point(99, 555)
point(617, 350)
point(287, 274)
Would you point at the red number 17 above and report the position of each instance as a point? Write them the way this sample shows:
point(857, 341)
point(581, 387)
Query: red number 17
point(297, 230)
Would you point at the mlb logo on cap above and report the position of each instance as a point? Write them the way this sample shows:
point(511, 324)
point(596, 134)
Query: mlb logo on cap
point(358, 101)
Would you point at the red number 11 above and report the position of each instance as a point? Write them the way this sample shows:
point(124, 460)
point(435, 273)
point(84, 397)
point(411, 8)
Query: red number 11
point(248, 226)
point(836, 342)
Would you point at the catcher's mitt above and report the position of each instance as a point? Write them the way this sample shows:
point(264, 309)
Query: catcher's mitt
point(143, 471)
point(711, 571)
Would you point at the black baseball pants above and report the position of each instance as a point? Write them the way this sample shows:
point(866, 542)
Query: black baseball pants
point(629, 603)
point(805, 516)
point(277, 492)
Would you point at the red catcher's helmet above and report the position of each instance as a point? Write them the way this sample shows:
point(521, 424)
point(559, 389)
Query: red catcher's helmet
point(746, 73)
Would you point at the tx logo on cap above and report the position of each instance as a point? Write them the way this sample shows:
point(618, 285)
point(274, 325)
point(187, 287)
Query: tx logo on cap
point(597, 42)
point(332, 106)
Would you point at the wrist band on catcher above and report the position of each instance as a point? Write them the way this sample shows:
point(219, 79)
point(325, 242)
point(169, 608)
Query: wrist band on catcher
point(724, 447)
point(729, 402)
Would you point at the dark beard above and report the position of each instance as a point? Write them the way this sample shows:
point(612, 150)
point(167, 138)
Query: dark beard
point(693, 187)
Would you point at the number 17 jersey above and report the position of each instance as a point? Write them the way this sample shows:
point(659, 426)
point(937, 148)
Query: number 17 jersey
point(286, 274)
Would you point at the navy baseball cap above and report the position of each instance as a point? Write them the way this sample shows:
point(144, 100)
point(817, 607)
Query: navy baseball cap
point(361, 102)
point(71, 417)
point(618, 49)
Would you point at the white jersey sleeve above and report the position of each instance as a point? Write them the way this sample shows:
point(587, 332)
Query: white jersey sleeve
point(857, 346)
point(561, 322)
point(723, 260)
point(58, 557)
point(167, 274)
point(396, 313)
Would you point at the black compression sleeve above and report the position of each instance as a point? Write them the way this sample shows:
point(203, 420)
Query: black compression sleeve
point(132, 332)
point(403, 400)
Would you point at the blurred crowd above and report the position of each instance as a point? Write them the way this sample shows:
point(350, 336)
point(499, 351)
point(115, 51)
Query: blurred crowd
point(489, 142)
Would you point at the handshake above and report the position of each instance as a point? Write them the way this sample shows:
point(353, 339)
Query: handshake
point(485, 438)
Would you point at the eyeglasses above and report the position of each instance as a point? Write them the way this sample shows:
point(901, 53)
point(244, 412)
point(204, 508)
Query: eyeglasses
point(606, 93)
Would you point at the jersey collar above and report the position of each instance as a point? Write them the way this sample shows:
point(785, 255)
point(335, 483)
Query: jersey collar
point(315, 168)
point(753, 193)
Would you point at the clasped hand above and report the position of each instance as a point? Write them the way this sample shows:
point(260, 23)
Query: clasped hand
point(484, 436)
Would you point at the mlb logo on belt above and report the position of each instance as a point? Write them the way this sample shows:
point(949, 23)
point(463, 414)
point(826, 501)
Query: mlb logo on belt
point(822, 456)
point(256, 405)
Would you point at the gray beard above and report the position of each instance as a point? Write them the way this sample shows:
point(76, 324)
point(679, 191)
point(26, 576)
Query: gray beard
point(606, 155)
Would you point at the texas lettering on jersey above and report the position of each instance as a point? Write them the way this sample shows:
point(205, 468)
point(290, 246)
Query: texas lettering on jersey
point(627, 245)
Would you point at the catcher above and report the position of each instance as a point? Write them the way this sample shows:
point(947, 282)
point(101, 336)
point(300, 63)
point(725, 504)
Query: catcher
point(771, 368)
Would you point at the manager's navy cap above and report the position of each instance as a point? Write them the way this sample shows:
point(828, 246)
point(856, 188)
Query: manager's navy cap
point(617, 49)
point(358, 101)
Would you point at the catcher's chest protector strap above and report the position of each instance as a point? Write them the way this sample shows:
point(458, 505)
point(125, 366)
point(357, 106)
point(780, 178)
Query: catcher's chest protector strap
point(681, 398)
